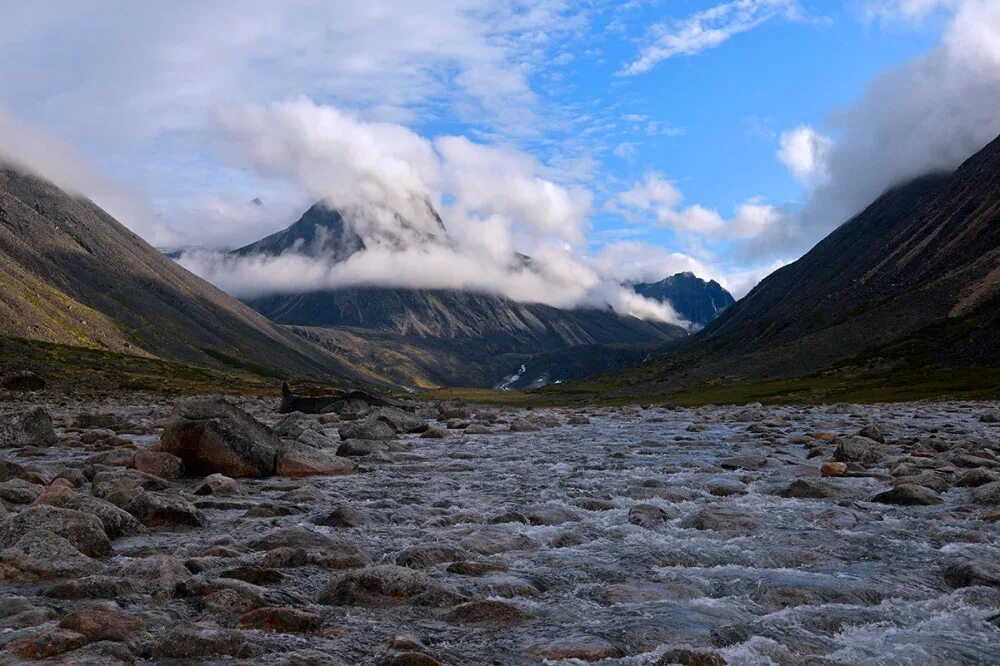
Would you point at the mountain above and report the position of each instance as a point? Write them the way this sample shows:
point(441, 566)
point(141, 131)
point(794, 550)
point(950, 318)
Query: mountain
point(903, 299)
point(694, 299)
point(453, 337)
point(71, 274)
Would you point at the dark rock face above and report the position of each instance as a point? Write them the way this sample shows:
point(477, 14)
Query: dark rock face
point(694, 299)
point(214, 436)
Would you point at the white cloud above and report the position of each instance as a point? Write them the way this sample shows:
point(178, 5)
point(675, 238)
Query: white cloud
point(804, 151)
point(661, 197)
point(29, 148)
point(928, 115)
point(708, 29)
point(906, 9)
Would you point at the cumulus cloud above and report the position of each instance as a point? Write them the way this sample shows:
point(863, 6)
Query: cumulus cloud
point(804, 151)
point(656, 195)
point(926, 116)
point(386, 180)
point(708, 29)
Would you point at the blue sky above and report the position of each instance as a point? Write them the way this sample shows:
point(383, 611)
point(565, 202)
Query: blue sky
point(634, 138)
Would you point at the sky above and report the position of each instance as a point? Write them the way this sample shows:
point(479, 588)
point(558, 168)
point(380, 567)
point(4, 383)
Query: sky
point(612, 141)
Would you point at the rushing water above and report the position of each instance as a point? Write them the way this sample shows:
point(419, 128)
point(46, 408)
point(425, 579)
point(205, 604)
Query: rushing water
point(767, 579)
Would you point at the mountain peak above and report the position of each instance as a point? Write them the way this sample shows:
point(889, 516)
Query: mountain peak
point(694, 299)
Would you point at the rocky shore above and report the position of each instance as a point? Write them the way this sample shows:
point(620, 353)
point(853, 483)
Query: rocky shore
point(218, 530)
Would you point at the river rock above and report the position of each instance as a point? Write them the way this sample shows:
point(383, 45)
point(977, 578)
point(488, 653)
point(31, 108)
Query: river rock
point(581, 648)
point(908, 494)
point(650, 516)
point(488, 613)
point(103, 624)
point(367, 429)
point(83, 530)
point(808, 489)
point(46, 645)
point(191, 642)
point(31, 429)
point(211, 435)
point(45, 555)
point(159, 463)
point(857, 449)
point(283, 620)
point(296, 460)
point(386, 585)
point(988, 493)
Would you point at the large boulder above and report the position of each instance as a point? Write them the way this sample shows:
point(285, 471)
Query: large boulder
point(297, 459)
point(41, 554)
point(83, 530)
point(387, 585)
point(908, 494)
point(211, 435)
point(33, 428)
point(315, 398)
point(857, 449)
point(401, 422)
point(370, 428)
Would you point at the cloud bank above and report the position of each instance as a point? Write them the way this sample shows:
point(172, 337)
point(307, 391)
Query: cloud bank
point(495, 201)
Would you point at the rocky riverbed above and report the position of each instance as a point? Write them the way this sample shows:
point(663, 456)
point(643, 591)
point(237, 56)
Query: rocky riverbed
point(143, 530)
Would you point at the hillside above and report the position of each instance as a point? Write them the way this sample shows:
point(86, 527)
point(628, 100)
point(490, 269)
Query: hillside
point(908, 288)
point(694, 299)
point(71, 274)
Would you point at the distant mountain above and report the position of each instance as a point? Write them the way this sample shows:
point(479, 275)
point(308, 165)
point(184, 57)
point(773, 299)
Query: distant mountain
point(694, 299)
point(71, 274)
point(904, 291)
point(476, 327)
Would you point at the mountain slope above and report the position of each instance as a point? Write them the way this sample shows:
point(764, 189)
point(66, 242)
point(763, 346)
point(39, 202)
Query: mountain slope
point(473, 326)
point(694, 299)
point(910, 283)
point(71, 274)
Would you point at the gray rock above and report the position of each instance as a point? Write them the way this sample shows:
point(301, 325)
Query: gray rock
point(400, 421)
point(649, 516)
point(907, 494)
point(988, 493)
point(368, 429)
point(857, 449)
point(83, 530)
point(33, 428)
point(387, 585)
point(42, 554)
point(808, 489)
point(211, 435)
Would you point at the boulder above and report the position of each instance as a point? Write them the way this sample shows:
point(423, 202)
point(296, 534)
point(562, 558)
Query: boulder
point(988, 493)
point(857, 449)
point(283, 620)
point(294, 425)
point(296, 459)
point(188, 641)
point(369, 428)
point(550, 514)
point(83, 530)
point(908, 494)
point(19, 491)
point(342, 516)
point(649, 515)
point(44, 555)
point(833, 469)
point(423, 556)
point(217, 484)
point(434, 433)
point(90, 587)
point(749, 462)
point(387, 585)
point(211, 435)
point(158, 573)
point(873, 432)
point(402, 422)
point(33, 428)
point(103, 624)
point(581, 648)
point(362, 447)
point(808, 489)
point(159, 463)
point(46, 645)
point(488, 613)
point(721, 519)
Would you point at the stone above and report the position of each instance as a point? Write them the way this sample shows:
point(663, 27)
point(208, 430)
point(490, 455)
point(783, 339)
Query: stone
point(362, 447)
point(193, 642)
point(292, 537)
point(211, 435)
point(689, 657)
point(908, 494)
point(873, 432)
point(581, 648)
point(159, 463)
point(155, 509)
point(46, 645)
point(435, 433)
point(283, 620)
point(218, 484)
point(339, 555)
point(523, 426)
point(649, 516)
point(386, 585)
point(594, 504)
point(550, 514)
point(83, 530)
point(857, 449)
point(31, 429)
point(721, 519)
point(102, 624)
point(971, 573)
point(748, 462)
point(723, 487)
point(478, 429)
point(990, 416)
point(401, 422)
point(294, 425)
point(343, 516)
point(475, 567)
point(488, 613)
point(988, 493)
point(424, 556)
point(23, 382)
point(808, 489)
point(577, 419)
point(43, 555)
point(19, 491)
point(157, 573)
point(833, 469)
point(370, 428)
point(297, 460)
point(90, 587)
